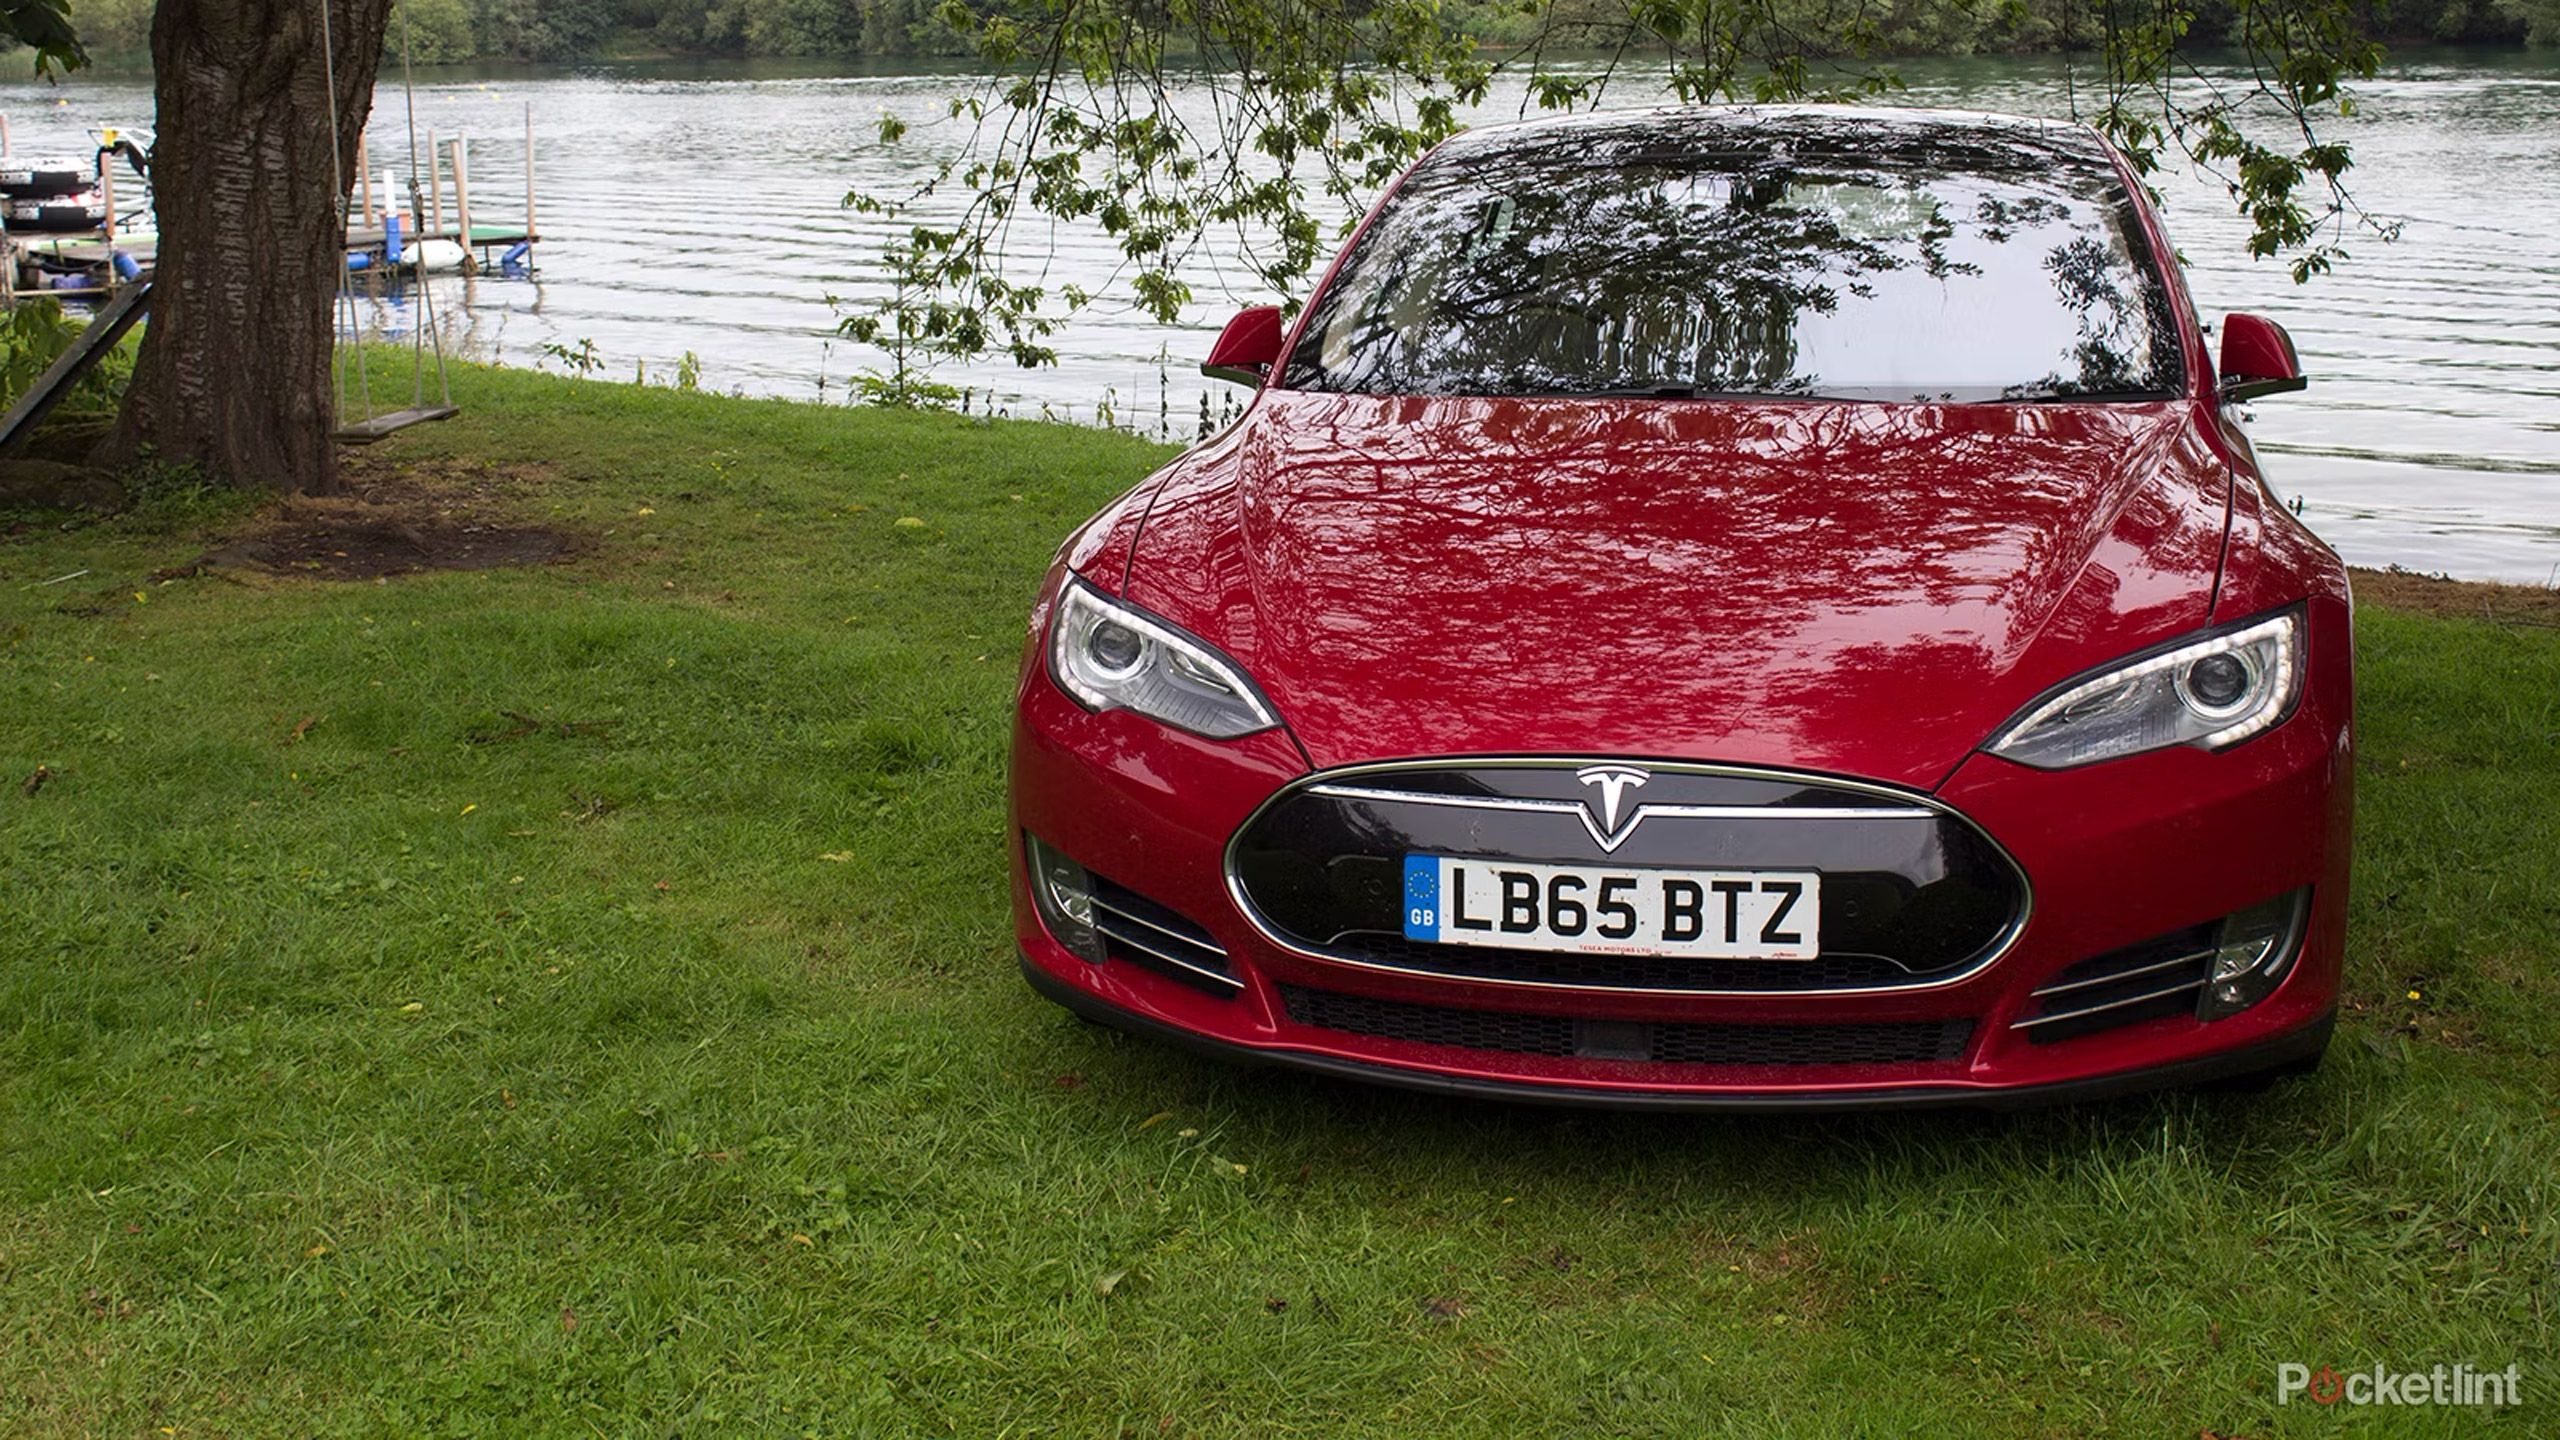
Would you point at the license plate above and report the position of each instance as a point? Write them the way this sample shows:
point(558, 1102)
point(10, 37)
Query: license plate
point(1713, 914)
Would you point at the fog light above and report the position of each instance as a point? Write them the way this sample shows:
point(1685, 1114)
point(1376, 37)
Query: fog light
point(1064, 893)
point(2253, 951)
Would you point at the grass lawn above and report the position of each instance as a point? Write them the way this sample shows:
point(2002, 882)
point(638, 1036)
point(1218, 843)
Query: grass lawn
point(578, 1000)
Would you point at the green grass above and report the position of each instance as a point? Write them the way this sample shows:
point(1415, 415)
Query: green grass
point(418, 1076)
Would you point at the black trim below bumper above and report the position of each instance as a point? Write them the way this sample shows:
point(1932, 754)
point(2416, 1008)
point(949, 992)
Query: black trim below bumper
point(2294, 1049)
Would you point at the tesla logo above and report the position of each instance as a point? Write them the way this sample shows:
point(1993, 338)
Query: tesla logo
point(1613, 783)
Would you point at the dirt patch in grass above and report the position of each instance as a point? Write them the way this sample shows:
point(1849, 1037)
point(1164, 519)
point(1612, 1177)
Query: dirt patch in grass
point(400, 519)
point(2458, 599)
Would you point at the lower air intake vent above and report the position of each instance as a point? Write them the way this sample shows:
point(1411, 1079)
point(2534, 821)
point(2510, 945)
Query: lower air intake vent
point(2148, 981)
point(1665, 1043)
point(1832, 971)
point(1143, 933)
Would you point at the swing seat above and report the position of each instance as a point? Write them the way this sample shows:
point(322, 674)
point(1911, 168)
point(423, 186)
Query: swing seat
point(365, 432)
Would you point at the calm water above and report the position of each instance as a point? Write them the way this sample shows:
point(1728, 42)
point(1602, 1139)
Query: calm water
point(697, 208)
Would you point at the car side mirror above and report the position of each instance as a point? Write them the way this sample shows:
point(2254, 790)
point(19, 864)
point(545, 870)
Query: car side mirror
point(1247, 348)
point(2257, 358)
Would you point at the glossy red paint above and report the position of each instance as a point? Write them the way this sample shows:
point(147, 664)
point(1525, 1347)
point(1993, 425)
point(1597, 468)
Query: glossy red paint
point(1249, 346)
point(2256, 351)
point(1866, 591)
point(1695, 580)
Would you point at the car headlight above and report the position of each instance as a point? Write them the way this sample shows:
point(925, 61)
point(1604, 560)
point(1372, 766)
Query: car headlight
point(2208, 693)
point(1112, 656)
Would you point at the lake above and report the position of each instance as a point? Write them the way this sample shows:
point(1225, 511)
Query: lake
point(696, 208)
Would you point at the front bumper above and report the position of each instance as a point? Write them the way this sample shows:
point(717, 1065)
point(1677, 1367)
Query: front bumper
point(2299, 1047)
point(2117, 855)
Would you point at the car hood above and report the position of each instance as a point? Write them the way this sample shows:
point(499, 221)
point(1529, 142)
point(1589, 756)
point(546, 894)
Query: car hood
point(1851, 588)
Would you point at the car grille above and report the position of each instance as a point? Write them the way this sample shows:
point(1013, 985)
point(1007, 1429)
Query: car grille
point(2149, 981)
point(1669, 1042)
point(1913, 894)
point(1627, 972)
point(1141, 932)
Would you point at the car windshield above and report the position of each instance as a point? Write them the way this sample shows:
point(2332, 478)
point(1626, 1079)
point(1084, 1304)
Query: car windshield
point(1819, 259)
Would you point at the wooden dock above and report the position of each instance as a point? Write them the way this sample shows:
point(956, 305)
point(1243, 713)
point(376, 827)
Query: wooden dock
point(482, 237)
point(90, 250)
point(447, 183)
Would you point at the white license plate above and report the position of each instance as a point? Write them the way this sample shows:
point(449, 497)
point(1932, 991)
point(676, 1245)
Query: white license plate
point(1711, 914)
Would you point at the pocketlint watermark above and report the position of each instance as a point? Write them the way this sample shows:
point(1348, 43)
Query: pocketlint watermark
point(2382, 1385)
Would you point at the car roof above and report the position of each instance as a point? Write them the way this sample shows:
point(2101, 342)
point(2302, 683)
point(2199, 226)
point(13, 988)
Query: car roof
point(1847, 127)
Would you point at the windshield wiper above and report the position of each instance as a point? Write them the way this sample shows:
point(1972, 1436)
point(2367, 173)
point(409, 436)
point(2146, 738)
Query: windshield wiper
point(1684, 392)
point(2067, 397)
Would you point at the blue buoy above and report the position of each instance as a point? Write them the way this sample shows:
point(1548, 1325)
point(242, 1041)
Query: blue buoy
point(125, 267)
point(391, 238)
point(518, 261)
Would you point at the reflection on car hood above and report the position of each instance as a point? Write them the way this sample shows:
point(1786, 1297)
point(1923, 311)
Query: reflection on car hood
point(1859, 589)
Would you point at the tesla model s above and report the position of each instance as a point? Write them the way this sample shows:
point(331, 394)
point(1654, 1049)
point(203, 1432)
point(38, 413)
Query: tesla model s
point(1761, 607)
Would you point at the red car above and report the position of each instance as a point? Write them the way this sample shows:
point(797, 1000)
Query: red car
point(1756, 608)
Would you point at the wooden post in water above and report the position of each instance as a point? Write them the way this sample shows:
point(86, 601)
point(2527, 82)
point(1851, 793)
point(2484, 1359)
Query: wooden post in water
point(107, 220)
point(462, 201)
point(435, 186)
point(528, 170)
point(364, 177)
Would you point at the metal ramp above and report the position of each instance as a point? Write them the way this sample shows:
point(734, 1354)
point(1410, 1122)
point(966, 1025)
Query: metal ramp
point(105, 329)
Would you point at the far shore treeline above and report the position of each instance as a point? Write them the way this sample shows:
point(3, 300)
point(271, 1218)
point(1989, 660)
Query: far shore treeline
point(447, 31)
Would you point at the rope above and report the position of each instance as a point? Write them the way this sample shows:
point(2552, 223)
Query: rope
point(417, 220)
point(338, 177)
point(352, 322)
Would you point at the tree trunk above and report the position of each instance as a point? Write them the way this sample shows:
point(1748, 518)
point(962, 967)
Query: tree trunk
point(234, 375)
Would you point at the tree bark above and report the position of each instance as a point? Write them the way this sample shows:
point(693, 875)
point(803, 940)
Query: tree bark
point(234, 376)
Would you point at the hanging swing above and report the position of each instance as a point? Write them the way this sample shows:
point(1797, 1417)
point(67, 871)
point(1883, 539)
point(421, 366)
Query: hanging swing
point(350, 341)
